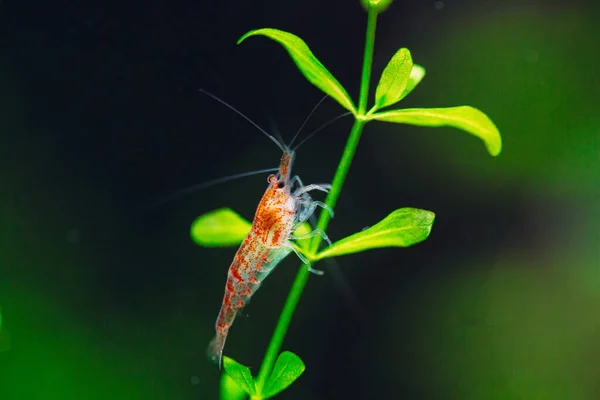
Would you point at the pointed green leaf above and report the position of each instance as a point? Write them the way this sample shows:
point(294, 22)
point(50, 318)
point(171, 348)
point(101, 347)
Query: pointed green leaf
point(240, 374)
point(230, 390)
point(416, 75)
point(394, 79)
point(287, 369)
point(309, 65)
point(220, 228)
point(402, 228)
point(466, 118)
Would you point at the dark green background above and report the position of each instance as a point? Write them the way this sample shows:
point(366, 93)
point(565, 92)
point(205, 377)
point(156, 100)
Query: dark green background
point(100, 113)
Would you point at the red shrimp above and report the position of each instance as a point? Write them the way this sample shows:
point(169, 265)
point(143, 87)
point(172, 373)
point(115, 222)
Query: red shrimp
point(282, 209)
point(269, 241)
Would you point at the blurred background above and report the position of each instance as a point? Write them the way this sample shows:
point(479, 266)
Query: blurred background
point(101, 114)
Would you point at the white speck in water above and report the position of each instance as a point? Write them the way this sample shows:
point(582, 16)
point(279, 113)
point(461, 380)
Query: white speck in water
point(73, 236)
point(194, 380)
point(438, 5)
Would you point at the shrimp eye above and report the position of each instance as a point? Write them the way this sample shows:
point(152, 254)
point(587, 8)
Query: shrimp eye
point(281, 184)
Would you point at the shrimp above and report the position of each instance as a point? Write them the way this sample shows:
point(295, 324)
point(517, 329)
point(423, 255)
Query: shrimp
point(269, 241)
point(285, 205)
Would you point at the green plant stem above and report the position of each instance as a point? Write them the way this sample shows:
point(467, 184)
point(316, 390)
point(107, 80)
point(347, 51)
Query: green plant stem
point(324, 217)
point(367, 63)
point(303, 273)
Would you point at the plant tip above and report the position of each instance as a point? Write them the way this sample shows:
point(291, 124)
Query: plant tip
point(378, 6)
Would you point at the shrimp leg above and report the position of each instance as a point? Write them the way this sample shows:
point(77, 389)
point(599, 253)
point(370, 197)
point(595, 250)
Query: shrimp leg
point(324, 187)
point(304, 198)
point(309, 208)
point(304, 260)
point(311, 187)
point(324, 207)
point(316, 232)
point(296, 179)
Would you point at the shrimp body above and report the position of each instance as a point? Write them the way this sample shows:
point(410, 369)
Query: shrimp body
point(269, 241)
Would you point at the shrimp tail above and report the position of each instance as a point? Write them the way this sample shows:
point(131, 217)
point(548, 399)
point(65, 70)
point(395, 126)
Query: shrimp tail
point(215, 348)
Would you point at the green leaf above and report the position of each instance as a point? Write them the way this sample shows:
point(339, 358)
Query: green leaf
point(466, 118)
point(230, 390)
point(220, 228)
point(309, 65)
point(240, 374)
point(224, 227)
point(394, 79)
point(416, 75)
point(287, 369)
point(402, 228)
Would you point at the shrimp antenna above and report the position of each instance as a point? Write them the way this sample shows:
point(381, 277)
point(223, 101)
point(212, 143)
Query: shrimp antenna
point(190, 189)
point(275, 130)
point(243, 116)
point(307, 118)
point(320, 128)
